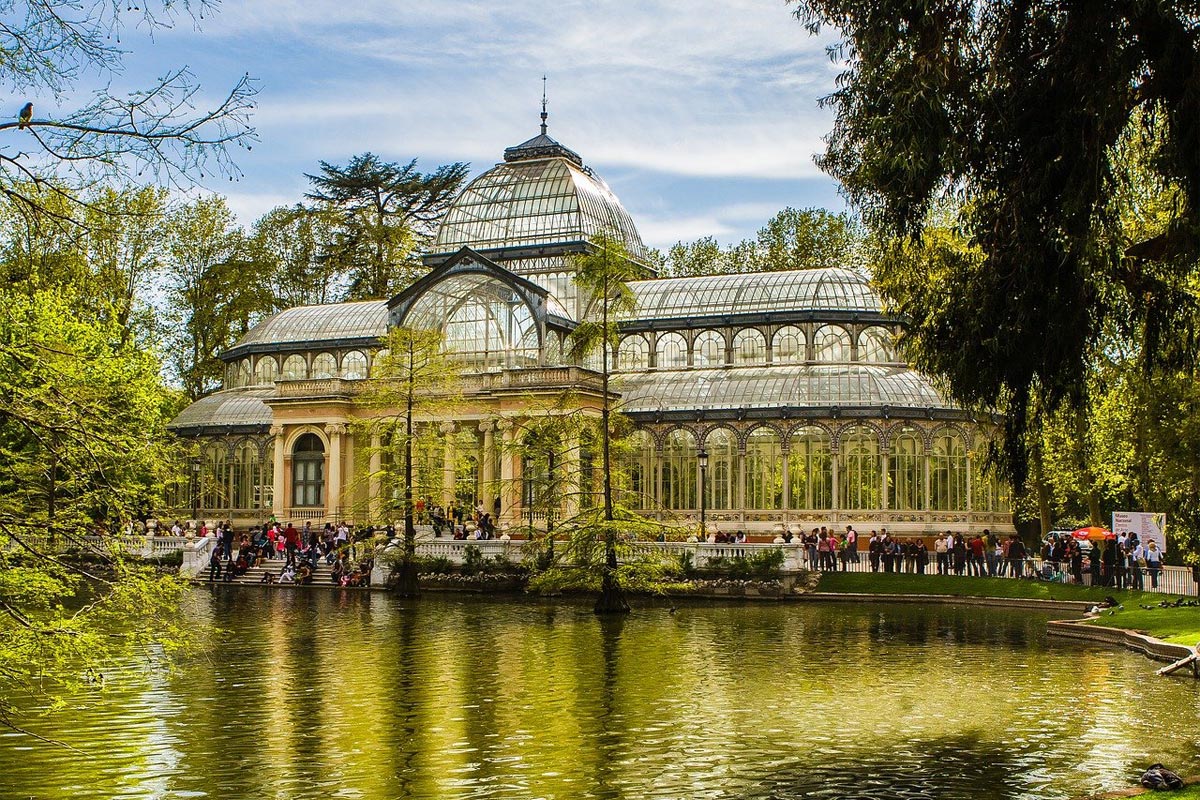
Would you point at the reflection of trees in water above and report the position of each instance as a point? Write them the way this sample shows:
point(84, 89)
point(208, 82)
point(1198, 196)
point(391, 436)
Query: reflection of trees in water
point(944, 768)
point(956, 625)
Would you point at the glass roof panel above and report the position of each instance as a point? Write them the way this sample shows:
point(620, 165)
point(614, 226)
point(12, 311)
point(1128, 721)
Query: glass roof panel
point(313, 324)
point(236, 407)
point(535, 202)
point(772, 387)
point(828, 289)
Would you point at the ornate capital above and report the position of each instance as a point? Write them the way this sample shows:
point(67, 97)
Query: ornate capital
point(335, 429)
point(487, 426)
point(447, 428)
point(276, 430)
point(505, 424)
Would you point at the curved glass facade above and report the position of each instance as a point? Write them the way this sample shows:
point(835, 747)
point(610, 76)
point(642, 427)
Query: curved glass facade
point(830, 289)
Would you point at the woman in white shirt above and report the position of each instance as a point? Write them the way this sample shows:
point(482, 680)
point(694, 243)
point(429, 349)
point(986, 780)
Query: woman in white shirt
point(1153, 562)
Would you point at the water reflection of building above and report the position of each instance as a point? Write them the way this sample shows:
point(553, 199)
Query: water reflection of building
point(787, 381)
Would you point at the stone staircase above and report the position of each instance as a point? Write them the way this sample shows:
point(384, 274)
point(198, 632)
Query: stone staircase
point(254, 575)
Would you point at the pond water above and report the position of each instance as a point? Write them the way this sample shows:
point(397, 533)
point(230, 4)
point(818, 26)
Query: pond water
point(356, 695)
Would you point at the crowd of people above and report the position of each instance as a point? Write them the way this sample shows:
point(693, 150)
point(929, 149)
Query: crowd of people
point(1123, 562)
point(299, 550)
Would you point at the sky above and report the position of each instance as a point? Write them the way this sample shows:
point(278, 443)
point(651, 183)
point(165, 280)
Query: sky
point(702, 116)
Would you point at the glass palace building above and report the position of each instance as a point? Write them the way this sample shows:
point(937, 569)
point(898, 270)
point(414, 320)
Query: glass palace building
point(787, 382)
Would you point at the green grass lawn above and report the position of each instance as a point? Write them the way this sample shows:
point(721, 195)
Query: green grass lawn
point(897, 583)
point(1177, 625)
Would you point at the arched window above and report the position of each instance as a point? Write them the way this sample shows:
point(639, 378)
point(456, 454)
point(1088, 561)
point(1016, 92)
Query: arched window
point(486, 322)
point(679, 471)
point(243, 372)
point(764, 469)
point(788, 346)
point(988, 492)
point(810, 470)
point(860, 471)
point(354, 365)
point(708, 349)
point(294, 368)
point(876, 344)
point(214, 477)
point(308, 471)
point(634, 353)
point(324, 365)
point(266, 370)
point(245, 474)
point(721, 477)
point(749, 347)
point(948, 472)
point(637, 457)
point(671, 351)
point(906, 477)
point(831, 344)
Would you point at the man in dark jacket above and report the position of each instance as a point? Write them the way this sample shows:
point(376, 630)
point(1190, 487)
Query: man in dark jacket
point(1016, 555)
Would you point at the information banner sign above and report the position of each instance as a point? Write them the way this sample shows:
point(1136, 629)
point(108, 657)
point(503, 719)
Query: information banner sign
point(1147, 525)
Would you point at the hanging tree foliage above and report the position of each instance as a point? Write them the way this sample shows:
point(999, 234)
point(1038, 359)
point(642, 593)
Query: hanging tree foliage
point(1017, 111)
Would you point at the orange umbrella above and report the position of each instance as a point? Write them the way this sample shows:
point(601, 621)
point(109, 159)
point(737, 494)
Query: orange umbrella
point(1093, 533)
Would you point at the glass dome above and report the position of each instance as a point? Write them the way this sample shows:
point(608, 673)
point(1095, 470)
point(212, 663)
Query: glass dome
point(826, 289)
point(535, 199)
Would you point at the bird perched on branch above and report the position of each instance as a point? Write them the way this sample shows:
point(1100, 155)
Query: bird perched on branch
point(24, 117)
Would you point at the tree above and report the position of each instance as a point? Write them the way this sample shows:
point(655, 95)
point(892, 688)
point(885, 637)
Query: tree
point(288, 242)
point(1019, 110)
point(810, 238)
point(413, 386)
point(388, 213)
point(604, 273)
point(82, 444)
point(215, 290)
point(157, 132)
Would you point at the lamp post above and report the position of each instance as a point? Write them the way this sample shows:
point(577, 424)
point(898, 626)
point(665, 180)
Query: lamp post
point(703, 458)
point(195, 487)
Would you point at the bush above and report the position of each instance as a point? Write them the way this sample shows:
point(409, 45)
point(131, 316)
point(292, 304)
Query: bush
point(435, 565)
point(473, 561)
point(765, 564)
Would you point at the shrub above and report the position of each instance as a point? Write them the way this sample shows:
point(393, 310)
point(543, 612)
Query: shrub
point(765, 564)
point(473, 560)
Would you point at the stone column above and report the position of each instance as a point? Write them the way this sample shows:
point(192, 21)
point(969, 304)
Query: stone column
point(279, 479)
point(374, 487)
point(447, 429)
point(510, 474)
point(487, 466)
point(333, 470)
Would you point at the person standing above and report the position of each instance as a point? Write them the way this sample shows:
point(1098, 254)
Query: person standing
point(1135, 560)
point(977, 549)
point(291, 543)
point(1153, 562)
point(1016, 555)
point(874, 548)
point(227, 540)
point(851, 544)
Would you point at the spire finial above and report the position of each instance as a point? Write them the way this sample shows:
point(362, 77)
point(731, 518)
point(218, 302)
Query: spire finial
point(544, 115)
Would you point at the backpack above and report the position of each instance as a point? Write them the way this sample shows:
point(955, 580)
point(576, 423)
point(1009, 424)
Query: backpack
point(1161, 779)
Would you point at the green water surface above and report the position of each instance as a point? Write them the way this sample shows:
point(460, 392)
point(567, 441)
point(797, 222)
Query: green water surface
point(316, 694)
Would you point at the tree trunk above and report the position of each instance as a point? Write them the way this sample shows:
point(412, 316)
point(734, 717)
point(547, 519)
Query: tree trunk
point(406, 578)
point(611, 599)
